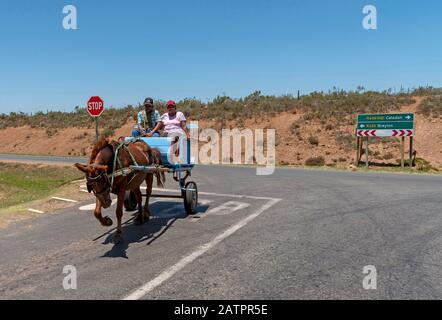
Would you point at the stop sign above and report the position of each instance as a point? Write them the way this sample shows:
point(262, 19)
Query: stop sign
point(95, 106)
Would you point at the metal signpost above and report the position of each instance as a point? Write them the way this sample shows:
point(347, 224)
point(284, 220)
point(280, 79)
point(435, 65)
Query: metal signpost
point(385, 125)
point(95, 107)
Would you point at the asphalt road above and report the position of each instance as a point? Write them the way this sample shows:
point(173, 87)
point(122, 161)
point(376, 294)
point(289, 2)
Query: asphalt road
point(297, 234)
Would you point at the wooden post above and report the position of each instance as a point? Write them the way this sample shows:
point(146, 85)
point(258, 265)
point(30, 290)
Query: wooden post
point(358, 151)
point(411, 152)
point(402, 152)
point(366, 152)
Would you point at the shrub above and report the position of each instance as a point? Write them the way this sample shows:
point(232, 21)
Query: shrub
point(431, 106)
point(315, 162)
point(108, 133)
point(313, 140)
point(424, 165)
point(388, 156)
point(345, 140)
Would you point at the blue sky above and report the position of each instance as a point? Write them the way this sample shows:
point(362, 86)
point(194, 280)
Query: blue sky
point(127, 50)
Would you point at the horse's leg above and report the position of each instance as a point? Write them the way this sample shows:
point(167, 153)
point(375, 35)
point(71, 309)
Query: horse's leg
point(119, 212)
point(106, 221)
point(149, 182)
point(139, 197)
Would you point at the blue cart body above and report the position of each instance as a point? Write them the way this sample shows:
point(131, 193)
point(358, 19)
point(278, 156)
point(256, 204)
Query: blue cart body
point(181, 167)
point(163, 144)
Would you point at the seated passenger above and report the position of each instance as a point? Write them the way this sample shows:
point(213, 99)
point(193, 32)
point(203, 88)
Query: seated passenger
point(173, 122)
point(147, 121)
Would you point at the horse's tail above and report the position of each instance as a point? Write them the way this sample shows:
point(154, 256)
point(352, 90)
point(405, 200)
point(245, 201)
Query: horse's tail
point(158, 160)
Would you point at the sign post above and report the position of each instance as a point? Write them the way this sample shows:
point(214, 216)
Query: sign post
point(386, 125)
point(95, 107)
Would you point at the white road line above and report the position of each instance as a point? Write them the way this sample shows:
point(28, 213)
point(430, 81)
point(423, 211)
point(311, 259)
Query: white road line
point(168, 273)
point(81, 190)
point(63, 199)
point(224, 209)
point(35, 211)
point(215, 194)
point(91, 206)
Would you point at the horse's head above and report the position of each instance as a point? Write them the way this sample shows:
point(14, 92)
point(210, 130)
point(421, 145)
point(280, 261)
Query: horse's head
point(97, 181)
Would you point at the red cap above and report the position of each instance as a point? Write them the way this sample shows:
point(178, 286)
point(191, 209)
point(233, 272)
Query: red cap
point(170, 103)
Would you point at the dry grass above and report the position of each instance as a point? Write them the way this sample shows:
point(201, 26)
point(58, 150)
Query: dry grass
point(337, 107)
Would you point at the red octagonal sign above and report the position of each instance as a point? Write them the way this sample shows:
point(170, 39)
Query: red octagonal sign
point(95, 106)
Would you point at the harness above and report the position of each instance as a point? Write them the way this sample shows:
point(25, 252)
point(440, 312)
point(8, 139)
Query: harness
point(109, 178)
point(90, 181)
point(122, 171)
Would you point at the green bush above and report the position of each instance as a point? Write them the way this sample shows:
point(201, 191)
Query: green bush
point(345, 140)
point(431, 106)
point(315, 162)
point(313, 140)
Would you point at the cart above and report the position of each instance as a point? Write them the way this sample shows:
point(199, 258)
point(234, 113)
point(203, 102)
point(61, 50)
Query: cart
point(180, 168)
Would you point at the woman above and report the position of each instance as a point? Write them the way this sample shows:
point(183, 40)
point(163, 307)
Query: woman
point(173, 122)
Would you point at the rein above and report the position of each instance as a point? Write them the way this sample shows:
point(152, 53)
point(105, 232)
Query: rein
point(109, 178)
point(99, 177)
point(122, 171)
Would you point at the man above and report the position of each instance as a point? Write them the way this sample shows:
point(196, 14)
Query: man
point(147, 121)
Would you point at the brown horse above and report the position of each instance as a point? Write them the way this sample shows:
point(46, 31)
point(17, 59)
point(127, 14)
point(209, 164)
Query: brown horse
point(99, 178)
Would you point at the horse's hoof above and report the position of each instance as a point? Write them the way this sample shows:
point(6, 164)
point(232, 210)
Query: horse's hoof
point(107, 221)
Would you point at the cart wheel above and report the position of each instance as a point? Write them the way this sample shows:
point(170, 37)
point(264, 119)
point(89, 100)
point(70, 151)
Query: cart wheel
point(190, 197)
point(130, 201)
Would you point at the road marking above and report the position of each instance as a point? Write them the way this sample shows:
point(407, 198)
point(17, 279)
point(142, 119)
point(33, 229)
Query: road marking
point(224, 209)
point(168, 273)
point(215, 194)
point(82, 190)
point(63, 199)
point(228, 207)
point(92, 206)
point(35, 211)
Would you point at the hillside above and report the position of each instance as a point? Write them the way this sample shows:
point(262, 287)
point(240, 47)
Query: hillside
point(318, 125)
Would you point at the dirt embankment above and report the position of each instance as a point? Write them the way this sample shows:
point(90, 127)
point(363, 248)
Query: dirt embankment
point(297, 139)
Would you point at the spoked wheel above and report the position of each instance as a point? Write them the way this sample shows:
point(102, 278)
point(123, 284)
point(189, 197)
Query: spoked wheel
point(190, 195)
point(130, 201)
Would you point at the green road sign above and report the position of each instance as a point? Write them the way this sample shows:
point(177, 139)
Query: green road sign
point(399, 121)
point(386, 125)
point(377, 118)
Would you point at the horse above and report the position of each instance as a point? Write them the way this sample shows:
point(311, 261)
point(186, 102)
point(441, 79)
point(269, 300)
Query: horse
point(102, 178)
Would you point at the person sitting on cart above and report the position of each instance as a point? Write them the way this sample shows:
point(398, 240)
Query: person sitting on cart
point(174, 124)
point(174, 121)
point(147, 121)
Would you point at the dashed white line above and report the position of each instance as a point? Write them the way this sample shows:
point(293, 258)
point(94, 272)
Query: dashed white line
point(35, 211)
point(63, 199)
point(92, 206)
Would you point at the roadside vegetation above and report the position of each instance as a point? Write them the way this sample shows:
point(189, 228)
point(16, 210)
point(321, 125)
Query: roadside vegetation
point(431, 106)
point(332, 106)
point(21, 183)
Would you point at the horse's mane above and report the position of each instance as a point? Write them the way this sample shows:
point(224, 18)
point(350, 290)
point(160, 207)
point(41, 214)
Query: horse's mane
point(100, 145)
